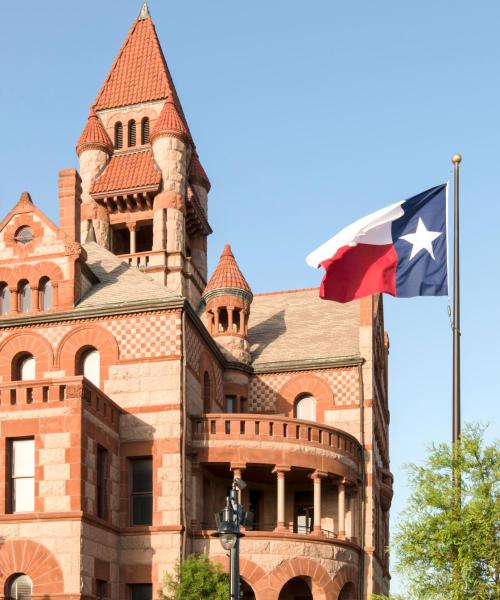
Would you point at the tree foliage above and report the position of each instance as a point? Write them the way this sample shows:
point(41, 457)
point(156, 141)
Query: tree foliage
point(448, 542)
point(196, 578)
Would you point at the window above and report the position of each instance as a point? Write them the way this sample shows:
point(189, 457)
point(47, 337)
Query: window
point(23, 235)
point(141, 491)
point(230, 404)
point(145, 131)
point(89, 365)
point(4, 299)
point(24, 367)
point(236, 320)
point(140, 591)
point(207, 403)
point(45, 290)
point(101, 588)
point(223, 320)
point(22, 475)
point(118, 135)
point(19, 587)
point(102, 479)
point(131, 133)
point(24, 292)
point(305, 408)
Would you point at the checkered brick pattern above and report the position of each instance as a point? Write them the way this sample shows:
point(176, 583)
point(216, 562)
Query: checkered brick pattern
point(54, 335)
point(147, 336)
point(344, 383)
point(194, 348)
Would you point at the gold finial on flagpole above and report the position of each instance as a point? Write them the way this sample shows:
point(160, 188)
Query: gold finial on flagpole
point(456, 159)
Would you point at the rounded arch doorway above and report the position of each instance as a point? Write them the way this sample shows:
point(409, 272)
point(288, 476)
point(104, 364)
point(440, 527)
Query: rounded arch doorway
point(348, 592)
point(298, 588)
point(246, 591)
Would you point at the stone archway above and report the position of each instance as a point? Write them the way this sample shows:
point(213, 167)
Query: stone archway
point(348, 592)
point(298, 588)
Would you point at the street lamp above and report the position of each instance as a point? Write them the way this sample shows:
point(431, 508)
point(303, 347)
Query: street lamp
point(228, 531)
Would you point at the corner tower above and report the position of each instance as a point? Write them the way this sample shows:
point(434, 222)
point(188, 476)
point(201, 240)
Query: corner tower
point(144, 191)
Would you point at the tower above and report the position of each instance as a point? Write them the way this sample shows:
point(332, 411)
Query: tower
point(143, 187)
point(228, 298)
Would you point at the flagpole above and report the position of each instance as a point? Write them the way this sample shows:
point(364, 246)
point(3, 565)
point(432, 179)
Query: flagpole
point(456, 160)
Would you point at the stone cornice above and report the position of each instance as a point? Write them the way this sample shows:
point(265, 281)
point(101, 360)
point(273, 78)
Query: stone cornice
point(308, 364)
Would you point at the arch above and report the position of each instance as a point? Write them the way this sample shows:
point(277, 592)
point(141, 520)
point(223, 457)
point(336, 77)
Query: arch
point(22, 556)
point(322, 582)
point(251, 572)
point(345, 582)
point(5, 307)
point(88, 364)
point(23, 367)
point(298, 585)
point(27, 343)
point(118, 137)
point(45, 291)
point(304, 384)
point(19, 586)
point(305, 407)
point(87, 336)
point(24, 296)
point(206, 366)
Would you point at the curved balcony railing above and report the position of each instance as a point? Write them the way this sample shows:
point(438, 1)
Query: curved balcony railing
point(270, 433)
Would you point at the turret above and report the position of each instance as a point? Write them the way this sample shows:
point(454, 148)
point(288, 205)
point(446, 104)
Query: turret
point(228, 298)
point(94, 149)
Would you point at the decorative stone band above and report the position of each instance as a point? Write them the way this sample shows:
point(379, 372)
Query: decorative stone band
point(228, 291)
point(107, 148)
point(180, 135)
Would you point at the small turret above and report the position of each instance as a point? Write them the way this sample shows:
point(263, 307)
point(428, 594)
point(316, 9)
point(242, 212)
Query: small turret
point(228, 298)
point(94, 149)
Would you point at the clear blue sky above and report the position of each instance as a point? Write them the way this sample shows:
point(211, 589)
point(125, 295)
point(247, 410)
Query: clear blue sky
point(306, 115)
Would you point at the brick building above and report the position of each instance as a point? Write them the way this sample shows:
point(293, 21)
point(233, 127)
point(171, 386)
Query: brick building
point(133, 387)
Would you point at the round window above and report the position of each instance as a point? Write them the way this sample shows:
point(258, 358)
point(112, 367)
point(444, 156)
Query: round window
point(24, 235)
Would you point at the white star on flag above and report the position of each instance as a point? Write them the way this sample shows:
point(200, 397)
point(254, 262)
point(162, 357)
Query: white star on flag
point(421, 240)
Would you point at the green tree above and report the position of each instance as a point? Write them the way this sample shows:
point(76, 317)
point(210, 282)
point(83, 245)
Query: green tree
point(448, 545)
point(196, 578)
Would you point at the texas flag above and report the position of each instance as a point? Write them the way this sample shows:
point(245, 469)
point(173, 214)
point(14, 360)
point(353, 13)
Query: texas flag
point(400, 250)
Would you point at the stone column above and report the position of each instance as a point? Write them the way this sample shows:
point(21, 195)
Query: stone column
point(35, 298)
point(237, 469)
point(341, 499)
point(132, 228)
point(317, 476)
point(14, 300)
point(280, 496)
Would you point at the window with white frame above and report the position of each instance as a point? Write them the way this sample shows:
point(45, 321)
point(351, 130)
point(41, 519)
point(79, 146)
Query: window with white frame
point(305, 408)
point(22, 475)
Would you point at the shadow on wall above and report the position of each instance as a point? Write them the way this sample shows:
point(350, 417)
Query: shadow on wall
point(265, 333)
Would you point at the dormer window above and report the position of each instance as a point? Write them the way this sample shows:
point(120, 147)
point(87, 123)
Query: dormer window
point(131, 133)
point(145, 131)
point(24, 235)
point(118, 135)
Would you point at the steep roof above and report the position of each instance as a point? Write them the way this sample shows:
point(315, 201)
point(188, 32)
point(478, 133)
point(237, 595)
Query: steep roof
point(94, 136)
point(227, 274)
point(134, 170)
point(119, 283)
point(291, 326)
point(140, 72)
point(169, 123)
point(197, 174)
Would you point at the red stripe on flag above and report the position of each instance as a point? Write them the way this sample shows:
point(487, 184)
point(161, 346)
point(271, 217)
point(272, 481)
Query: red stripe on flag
point(357, 271)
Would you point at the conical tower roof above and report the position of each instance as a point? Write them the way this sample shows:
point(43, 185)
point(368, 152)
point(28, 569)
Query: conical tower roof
point(197, 174)
point(169, 123)
point(227, 278)
point(94, 136)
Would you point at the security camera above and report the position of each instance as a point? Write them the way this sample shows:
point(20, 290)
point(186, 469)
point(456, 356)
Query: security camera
point(239, 483)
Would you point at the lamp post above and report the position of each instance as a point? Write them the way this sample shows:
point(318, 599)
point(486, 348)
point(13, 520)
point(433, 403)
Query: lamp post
point(228, 531)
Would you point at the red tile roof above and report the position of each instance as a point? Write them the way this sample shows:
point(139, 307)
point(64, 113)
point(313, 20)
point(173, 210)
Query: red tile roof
point(197, 174)
point(94, 136)
point(139, 73)
point(169, 123)
point(128, 172)
point(227, 274)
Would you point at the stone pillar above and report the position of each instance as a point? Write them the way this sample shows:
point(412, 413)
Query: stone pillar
point(317, 476)
point(280, 496)
point(196, 492)
point(132, 229)
point(341, 499)
point(237, 469)
point(35, 298)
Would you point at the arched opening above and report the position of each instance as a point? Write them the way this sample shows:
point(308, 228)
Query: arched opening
point(297, 588)
point(88, 364)
point(246, 591)
point(236, 320)
point(207, 400)
point(223, 320)
point(145, 130)
point(348, 592)
point(131, 133)
point(24, 367)
point(45, 292)
point(4, 299)
point(18, 587)
point(118, 135)
point(24, 235)
point(24, 294)
point(305, 408)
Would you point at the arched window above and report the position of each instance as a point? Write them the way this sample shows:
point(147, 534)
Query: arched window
point(4, 299)
point(145, 130)
point(19, 587)
point(24, 235)
point(89, 365)
point(223, 320)
point(305, 408)
point(45, 291)
point(118, 135)
point(24, 367)
point(24, 292)
point(207, 401)
point(131, 133)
